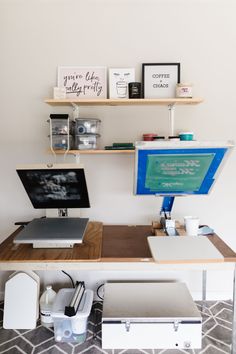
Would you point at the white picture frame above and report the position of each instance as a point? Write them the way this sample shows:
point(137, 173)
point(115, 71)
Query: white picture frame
point(88, 82)
point(160, 79)
point(119, 79)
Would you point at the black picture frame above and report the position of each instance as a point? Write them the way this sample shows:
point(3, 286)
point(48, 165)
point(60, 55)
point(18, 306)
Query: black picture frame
point(159, 80)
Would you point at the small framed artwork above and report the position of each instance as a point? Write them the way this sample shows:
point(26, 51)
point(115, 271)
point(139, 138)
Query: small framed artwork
point(159, 80)
point(119, 79)
point(82, 81)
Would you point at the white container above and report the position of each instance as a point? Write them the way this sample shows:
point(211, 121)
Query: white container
point(191, 225)
point(46, 303)
point(59, 93)
point(184, 90)
point(74, 328)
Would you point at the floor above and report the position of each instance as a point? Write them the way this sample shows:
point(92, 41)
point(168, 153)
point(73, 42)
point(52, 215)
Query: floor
point(217, 324)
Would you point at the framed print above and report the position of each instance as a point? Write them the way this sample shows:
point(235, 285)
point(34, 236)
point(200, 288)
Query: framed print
point(119, 79)
point(159, 80)
point(82, 81)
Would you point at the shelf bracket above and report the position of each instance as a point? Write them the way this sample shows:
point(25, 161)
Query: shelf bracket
point(171, 108)
point(76, 110)
point(77, 158)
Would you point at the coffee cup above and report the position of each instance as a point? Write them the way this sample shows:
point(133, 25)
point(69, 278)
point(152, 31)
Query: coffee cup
point(191, 225)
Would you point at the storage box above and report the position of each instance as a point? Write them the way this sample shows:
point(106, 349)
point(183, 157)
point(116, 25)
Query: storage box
point(87, 126)
point(151, 316)
point(62, 142)
point(61, 124)
point(86, 141)
point(71, 329)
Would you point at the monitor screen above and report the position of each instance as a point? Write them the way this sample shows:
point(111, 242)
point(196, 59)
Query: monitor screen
point(58, 186)
point(182, 168)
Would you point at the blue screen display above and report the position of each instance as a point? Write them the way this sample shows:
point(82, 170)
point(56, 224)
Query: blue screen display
point(177, 171)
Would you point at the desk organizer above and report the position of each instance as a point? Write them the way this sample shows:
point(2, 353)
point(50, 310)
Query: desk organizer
point(157, 229)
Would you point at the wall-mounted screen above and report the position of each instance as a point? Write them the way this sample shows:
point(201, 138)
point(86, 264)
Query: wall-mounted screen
point(182, 168)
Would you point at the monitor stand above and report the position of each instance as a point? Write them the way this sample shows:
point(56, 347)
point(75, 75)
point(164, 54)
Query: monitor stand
point(167, 223)
point(63, 212)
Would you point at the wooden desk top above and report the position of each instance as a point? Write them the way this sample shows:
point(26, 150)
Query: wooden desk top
point(102, 243)
point(130, 242)
point(89, 250)
point(125, 242)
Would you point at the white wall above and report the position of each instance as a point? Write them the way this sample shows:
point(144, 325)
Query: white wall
point(38, 35)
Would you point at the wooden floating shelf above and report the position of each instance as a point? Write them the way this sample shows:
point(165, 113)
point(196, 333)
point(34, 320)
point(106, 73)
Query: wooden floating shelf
point(124, 102)
point(94, 152)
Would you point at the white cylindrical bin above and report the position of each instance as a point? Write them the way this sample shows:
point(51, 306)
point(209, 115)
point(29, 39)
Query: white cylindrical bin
point(46, 302)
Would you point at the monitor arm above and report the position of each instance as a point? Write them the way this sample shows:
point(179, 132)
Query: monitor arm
point(167, 223)
point(62, 212)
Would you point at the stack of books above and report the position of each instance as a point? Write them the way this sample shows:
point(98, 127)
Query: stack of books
point(120, 146)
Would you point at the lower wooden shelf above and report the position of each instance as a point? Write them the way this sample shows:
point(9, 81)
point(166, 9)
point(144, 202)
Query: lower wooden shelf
point(94, 152)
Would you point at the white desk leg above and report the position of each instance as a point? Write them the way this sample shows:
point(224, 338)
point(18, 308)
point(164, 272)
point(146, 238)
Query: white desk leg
point(233, 347)
point(204, 281)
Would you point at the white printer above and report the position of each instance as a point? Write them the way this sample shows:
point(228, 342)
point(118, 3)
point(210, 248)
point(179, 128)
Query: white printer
point(150, 315)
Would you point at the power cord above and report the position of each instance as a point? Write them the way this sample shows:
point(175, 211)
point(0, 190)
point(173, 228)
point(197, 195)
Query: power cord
point(101, 296)
point(72, 281)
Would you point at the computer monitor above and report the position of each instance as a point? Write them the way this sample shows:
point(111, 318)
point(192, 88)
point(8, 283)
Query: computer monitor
point(58, 186)
point(178, 168)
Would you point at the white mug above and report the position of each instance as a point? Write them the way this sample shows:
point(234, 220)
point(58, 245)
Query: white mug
point(191, 225)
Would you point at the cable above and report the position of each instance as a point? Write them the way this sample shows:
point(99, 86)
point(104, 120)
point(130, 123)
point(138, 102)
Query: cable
point(51, 147)
point(72, 281)
point(100, 297)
